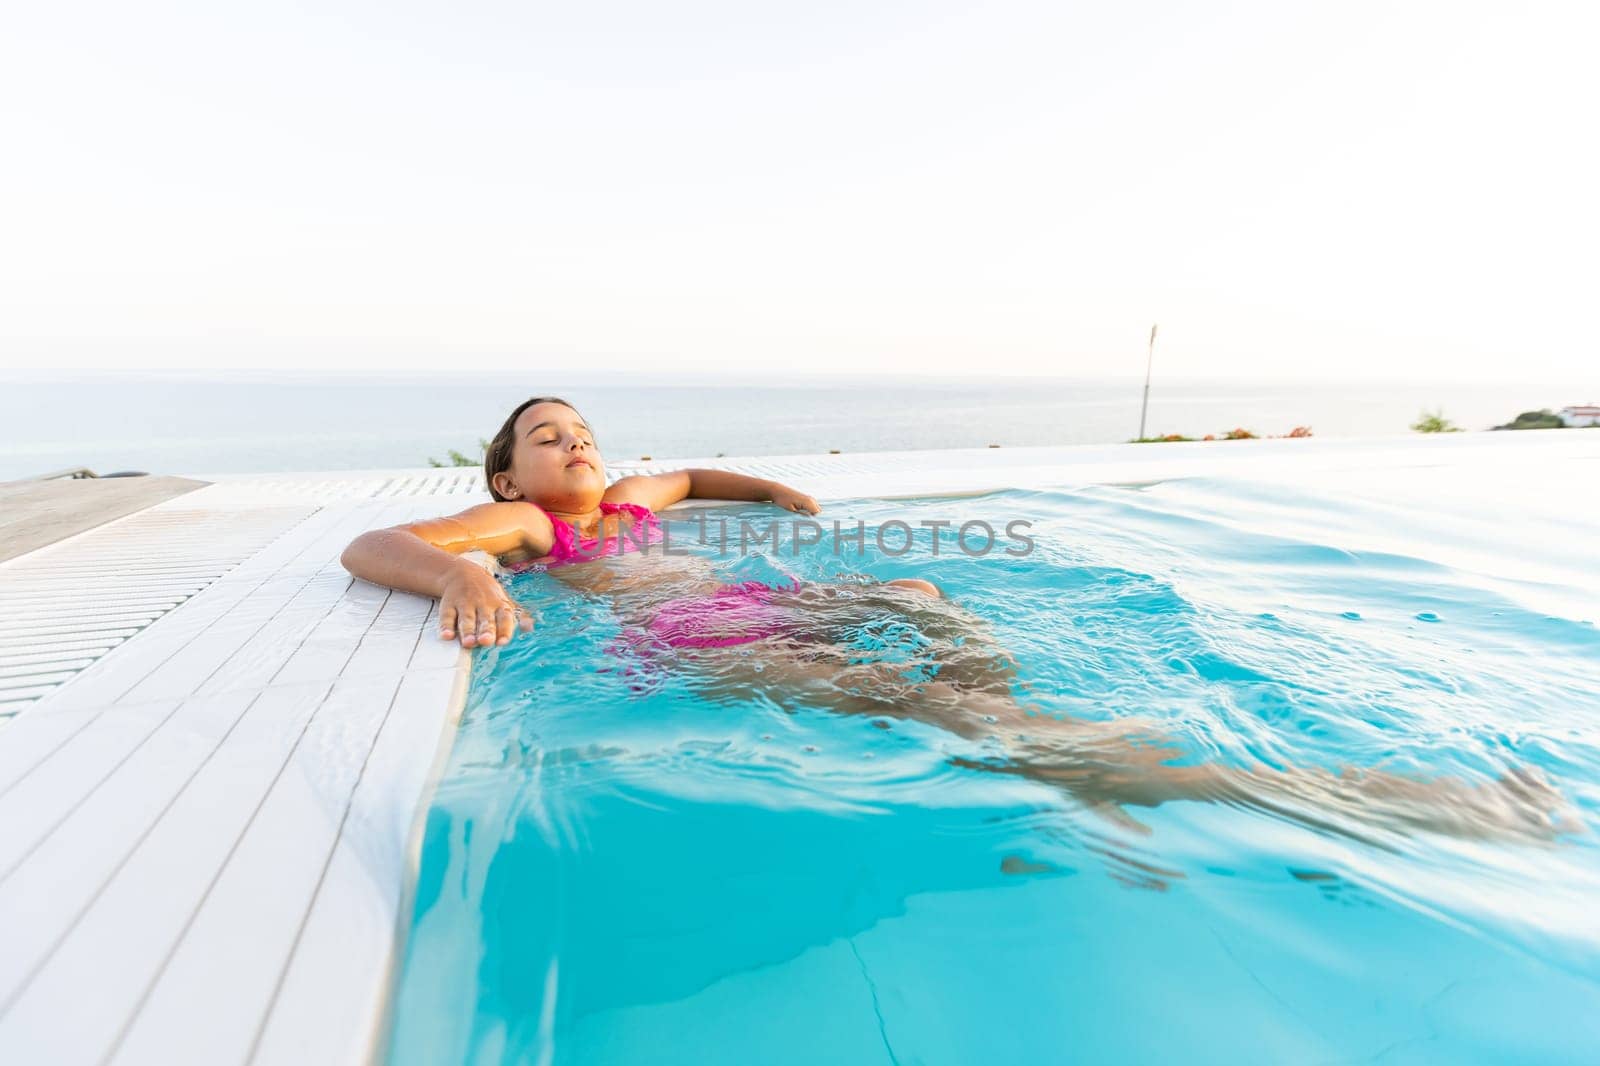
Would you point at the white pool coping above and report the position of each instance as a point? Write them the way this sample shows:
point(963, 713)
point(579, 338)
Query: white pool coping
point(207, 828)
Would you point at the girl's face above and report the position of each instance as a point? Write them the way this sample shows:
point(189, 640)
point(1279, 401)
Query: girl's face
point(554, 461)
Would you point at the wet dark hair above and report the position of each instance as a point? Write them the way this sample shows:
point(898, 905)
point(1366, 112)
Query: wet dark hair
point(497, 456)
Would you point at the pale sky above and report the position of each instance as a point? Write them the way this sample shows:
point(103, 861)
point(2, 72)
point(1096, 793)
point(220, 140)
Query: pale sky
point(1366, 190)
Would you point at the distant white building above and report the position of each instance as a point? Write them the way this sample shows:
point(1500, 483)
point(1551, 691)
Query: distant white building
point(1586, 414)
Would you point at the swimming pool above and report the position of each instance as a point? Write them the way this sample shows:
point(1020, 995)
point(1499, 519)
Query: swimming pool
point(630, 865)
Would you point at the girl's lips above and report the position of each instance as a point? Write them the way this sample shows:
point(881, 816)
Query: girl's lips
point(580, 462)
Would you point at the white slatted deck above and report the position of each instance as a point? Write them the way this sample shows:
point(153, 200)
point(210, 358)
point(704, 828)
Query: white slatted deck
point(203, 833)
point(68, 604)
point(206, 822)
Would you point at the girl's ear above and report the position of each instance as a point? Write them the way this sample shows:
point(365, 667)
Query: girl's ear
point(505, 486)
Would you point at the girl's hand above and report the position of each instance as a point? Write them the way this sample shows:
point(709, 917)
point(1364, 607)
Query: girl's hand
point(793, 499)
point(475, 606)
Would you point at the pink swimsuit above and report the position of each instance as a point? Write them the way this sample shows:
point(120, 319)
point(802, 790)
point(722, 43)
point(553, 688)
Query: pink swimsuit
point(568, 548)
point(733, 614)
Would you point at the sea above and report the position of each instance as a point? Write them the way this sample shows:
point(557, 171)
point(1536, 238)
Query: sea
point(247, 422)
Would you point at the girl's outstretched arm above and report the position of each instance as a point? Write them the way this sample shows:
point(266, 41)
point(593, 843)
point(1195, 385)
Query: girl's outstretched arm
point(425, 557)
point(656, 491)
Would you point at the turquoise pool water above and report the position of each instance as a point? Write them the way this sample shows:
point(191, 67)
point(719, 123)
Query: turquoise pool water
point(699, 862)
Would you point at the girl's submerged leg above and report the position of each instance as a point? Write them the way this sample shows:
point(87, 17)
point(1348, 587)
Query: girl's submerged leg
point(834, 647)
point(1134, 762)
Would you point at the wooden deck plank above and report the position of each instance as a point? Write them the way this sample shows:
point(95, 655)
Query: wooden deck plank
point(387, 647)
point(102, 587)
point(246, 647)
point(27, 692)
point(433, 652)
point(39, 513)
point(112, 612)
point(16, 677)
point(138, 565)
point(32, 808)
point(89, 578)
point(331, 997)
point(225, 823)
point(46, 633)
point(327, 648)
point(110, 679)
point(115, 952)
point(102, 641)
point(70, 866)
point(242, 935)
point(32, 740)
point(18, 662)
point(316, 605)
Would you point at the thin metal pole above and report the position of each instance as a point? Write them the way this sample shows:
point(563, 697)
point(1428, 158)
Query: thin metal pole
point(1149, 360)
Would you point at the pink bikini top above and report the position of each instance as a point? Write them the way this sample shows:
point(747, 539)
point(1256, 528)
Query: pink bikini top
point(568, 548)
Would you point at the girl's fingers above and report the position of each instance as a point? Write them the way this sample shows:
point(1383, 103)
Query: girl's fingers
point(486, 626)
point(483, 624)
point(505, 623)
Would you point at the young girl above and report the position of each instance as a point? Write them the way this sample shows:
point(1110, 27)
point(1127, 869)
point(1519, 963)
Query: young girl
point(552, 508)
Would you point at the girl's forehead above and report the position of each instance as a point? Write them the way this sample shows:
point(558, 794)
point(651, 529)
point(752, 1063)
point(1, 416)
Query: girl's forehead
point(554, 413)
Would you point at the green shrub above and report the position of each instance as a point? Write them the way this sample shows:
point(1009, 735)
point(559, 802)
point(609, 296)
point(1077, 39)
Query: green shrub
point(1543, 418)
point(1434, 423)
point(1237, 433)
point(458, 459)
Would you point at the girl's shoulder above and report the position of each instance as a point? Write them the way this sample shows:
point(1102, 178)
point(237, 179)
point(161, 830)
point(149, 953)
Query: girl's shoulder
point(653, 492)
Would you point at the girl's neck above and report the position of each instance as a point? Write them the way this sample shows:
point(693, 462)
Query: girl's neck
point(587, 521)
